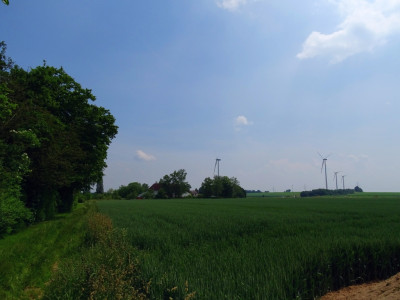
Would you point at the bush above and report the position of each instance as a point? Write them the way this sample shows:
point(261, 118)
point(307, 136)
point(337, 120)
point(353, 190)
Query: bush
point(358, 189)
point(13, 215)
point(106, 268)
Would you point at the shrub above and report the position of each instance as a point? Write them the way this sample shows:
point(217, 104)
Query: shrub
point(106, 268)
point(13, 215)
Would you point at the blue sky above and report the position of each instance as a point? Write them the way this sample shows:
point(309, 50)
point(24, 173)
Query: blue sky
point(264, 85)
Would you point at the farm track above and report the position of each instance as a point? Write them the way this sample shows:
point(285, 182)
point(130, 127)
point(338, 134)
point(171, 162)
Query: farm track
point(383, 290)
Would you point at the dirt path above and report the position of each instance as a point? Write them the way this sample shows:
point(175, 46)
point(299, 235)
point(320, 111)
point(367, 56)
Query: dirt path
point(388, 290)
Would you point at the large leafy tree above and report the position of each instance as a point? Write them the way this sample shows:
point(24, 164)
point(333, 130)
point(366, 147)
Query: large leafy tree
point(132, 190)
point(222, 187)
point(174, 184)
point(14, 161)
point(73, 134)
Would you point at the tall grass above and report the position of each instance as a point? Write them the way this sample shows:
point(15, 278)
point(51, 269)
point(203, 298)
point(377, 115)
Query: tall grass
point(105, 267)
point(27, 258)
point(259, 248)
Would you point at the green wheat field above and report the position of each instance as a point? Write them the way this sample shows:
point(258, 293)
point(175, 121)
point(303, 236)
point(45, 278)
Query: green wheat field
point(261, 247)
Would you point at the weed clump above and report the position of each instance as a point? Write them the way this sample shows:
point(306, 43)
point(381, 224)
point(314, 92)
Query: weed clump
point(106, 268)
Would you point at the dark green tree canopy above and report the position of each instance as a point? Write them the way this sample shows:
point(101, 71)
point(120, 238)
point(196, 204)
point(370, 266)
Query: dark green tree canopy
point(174, 185)
point(52, 120)
point(358, 189)
point(222, 187)
point(132, 190)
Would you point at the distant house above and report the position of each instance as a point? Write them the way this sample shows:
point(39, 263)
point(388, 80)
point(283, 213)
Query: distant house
point(155, 187)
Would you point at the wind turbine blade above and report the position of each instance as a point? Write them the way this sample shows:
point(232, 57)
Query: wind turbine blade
point(215, 166)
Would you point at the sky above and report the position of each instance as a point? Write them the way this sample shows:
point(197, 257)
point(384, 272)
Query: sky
point(266, 86)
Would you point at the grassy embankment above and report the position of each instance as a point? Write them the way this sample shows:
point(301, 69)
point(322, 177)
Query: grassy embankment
point(257, 248)
point(28, 257)
point(76, 256)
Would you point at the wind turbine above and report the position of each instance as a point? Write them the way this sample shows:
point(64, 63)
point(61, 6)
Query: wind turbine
point(343, 180)
point(324, 159)
point(217, 166)
point(335, 177)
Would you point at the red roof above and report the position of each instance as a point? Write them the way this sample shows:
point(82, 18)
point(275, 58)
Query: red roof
point(155, 187)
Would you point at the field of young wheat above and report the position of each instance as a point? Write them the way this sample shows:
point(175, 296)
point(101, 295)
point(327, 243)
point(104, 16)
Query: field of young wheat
point(258, 248)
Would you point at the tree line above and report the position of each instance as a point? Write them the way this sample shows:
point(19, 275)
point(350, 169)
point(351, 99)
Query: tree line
point(174, 185)
point(53, 142)
point(325, 192)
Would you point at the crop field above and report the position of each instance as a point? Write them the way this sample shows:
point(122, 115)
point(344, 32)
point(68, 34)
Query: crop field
point(261, 248)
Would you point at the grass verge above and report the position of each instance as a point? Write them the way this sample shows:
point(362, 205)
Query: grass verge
point(77, 256)
point(27, 258)
point(105, 268)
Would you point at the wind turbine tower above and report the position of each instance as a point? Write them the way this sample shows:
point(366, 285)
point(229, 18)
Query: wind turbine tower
point(217, 166)
point(343, 180)
point(335, 178)
point(324, 159)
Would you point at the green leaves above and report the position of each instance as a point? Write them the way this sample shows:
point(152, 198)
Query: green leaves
point(222, 187)
point(6, 2)
point(174, 185)
point(47, 116)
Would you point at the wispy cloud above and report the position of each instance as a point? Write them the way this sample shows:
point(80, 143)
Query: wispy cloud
point(231, 5)
point(242, 120)
point(366, 25)
point(144, 156)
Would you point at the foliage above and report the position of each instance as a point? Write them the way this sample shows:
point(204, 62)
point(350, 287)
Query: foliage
point(6, 63)
point(100, 186)
point(53, 141)
point(27, 258)
point(222, 187)
point(5, 2)
point(274, 194)
point(358, 189)
point(107, 269)
point(262, 248)
point(324, 192)
point(132, 190)
point(174, 185)
point(13, 215)
point(77, 256)
point(14, 166)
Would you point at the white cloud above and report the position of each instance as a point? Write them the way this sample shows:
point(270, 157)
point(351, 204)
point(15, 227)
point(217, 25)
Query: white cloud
point(231, 5)
point(366, 25)
point(242, 120)
point(144, 156)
